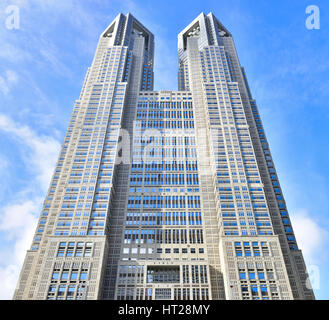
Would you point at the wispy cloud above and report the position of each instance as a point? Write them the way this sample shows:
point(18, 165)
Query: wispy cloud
point(9, 275)
point(7, 81)
point(42, 150)
point(18, 222)
point(311, 237)
point(18, 219)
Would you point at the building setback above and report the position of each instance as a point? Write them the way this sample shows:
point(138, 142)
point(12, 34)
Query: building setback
point(164, 194)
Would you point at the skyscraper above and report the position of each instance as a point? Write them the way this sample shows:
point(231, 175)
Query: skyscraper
point(164, 194)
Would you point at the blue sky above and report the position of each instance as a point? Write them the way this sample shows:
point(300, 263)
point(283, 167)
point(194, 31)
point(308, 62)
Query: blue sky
point(43, 63)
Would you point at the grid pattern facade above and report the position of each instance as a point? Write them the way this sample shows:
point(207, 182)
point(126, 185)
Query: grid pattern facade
point(164, 194)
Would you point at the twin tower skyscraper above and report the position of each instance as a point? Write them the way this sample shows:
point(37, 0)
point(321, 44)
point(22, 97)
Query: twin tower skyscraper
point(164, 194)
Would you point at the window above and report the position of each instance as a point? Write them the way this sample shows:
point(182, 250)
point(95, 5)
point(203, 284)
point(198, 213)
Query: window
point(61, 290)
point(163, 274)
point(242, 275)
point(65, 275)
point(162, 294)
point(71, 290)
point(74, 275)
point(264, 291)
point(254, 290)
point(55, 276)
point(83, 276)
point(52, 289)
point(252, 276)
point(261, 275)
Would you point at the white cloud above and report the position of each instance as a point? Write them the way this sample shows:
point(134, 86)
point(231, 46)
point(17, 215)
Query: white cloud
point(18, 223)
point(7, 80)
point(311, 237)
point(3, 86)
point(9, 276)
point(17, 217)
point(11, 76)
point(50, 57)
point(43, 150)
point(18, 220)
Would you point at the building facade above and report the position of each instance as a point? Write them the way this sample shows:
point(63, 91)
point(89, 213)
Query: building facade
point(164, 194)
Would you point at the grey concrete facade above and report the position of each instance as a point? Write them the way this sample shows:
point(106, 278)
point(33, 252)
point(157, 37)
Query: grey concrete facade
point(164, 194)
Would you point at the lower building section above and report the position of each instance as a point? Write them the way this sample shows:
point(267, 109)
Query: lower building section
point(254, 269)
point(163, 281)
point(70, 270)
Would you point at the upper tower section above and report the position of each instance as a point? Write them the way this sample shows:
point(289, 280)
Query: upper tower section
point(209, 31)
point(125, 31)
point(122, 32)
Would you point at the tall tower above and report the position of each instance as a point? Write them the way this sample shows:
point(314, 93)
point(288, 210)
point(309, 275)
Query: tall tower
point(255, 232)
point(164, 194)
